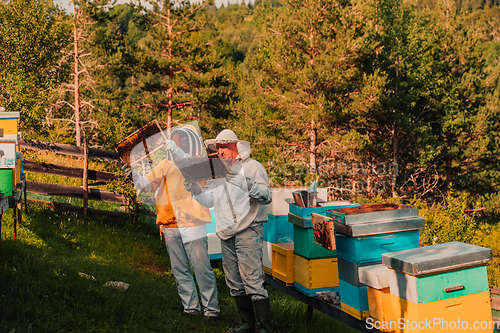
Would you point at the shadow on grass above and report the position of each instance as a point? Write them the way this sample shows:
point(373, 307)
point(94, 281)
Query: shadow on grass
point(42, 289)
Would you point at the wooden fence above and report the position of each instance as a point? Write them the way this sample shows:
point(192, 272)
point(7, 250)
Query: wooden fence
point(101, 178)
point(85, 192)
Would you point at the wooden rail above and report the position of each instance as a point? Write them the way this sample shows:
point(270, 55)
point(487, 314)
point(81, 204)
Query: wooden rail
point(99, 213)
point(96, 154)
point(84, 192)
point(74, 192)
point(53, 169)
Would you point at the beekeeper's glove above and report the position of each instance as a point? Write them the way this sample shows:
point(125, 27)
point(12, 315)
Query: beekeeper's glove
point(127, 171)
point(172, 148)
point(193, 187)
point(237, 179)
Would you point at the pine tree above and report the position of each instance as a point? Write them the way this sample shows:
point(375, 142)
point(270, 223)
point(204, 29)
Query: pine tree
point(310, 83)
point(179, 68)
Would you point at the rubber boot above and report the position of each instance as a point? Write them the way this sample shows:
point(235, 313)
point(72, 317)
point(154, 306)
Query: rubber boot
point(263, 314)
point(245, 309)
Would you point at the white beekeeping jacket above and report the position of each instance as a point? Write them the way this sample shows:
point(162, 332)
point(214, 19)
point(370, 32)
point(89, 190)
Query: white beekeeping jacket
point(236, 207)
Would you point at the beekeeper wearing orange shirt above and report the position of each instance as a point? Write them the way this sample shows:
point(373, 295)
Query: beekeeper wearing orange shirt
point(183, 221)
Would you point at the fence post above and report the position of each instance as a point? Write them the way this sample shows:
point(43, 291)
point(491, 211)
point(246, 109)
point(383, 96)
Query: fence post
point(85, 176)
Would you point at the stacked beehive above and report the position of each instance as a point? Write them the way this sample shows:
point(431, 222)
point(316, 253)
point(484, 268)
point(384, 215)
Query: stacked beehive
point(440, 288)
point(363, 234)
point(315, 267)
point(11, 173)
point(278, 231)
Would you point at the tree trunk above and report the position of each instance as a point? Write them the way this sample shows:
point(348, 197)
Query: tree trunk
point(171, 74)
point(85, 178)
point(395, 147)
point(76, 82)
point(312, 152)
point(448, 161)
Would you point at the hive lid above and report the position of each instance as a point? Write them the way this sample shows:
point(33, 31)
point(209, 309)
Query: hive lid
point(373, 213)
point(437, 258)
point(381, 227)
point(9, 115)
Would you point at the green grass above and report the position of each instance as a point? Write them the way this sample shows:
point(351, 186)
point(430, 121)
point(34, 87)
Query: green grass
point(42, 289)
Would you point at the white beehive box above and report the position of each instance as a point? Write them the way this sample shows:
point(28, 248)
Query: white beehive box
point(7, 154)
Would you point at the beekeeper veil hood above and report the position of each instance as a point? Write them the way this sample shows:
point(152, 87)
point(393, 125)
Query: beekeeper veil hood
point(188, 139)
point(228, 136)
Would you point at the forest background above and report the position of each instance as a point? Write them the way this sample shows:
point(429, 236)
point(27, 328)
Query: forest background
point(375, 99)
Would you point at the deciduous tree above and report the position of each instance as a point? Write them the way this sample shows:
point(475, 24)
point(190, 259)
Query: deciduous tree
point(32, 35)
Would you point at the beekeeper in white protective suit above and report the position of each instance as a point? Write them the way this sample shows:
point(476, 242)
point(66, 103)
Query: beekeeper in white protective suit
point(238, 201)
point(183, 221)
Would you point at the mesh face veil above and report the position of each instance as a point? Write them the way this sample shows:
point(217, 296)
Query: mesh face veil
point(188, 140)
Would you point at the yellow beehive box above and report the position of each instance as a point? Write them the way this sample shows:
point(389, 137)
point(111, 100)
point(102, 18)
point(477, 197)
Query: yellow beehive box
point(8, 121)
point(316, 273)
point(360, 315)
point(282, 262)
point(380, 306)
point(470, 313)
point(16, 172)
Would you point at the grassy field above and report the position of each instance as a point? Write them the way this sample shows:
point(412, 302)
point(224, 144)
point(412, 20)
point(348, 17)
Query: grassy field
point(53, 275)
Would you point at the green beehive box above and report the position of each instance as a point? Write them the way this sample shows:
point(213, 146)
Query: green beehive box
point(6, 182)
point(305, 246)
point(436, 287)
point(438, 272)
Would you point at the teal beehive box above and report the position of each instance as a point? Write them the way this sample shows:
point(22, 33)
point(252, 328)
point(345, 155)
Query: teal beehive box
point(436, 287)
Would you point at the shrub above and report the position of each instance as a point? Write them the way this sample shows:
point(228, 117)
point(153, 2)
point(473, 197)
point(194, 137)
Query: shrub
point(451, 221)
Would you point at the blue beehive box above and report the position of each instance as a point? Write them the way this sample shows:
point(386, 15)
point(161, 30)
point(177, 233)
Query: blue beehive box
point(277, 229)
point(371, 248)
point(214, 247)
point(211, 228)
point(355, 297)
